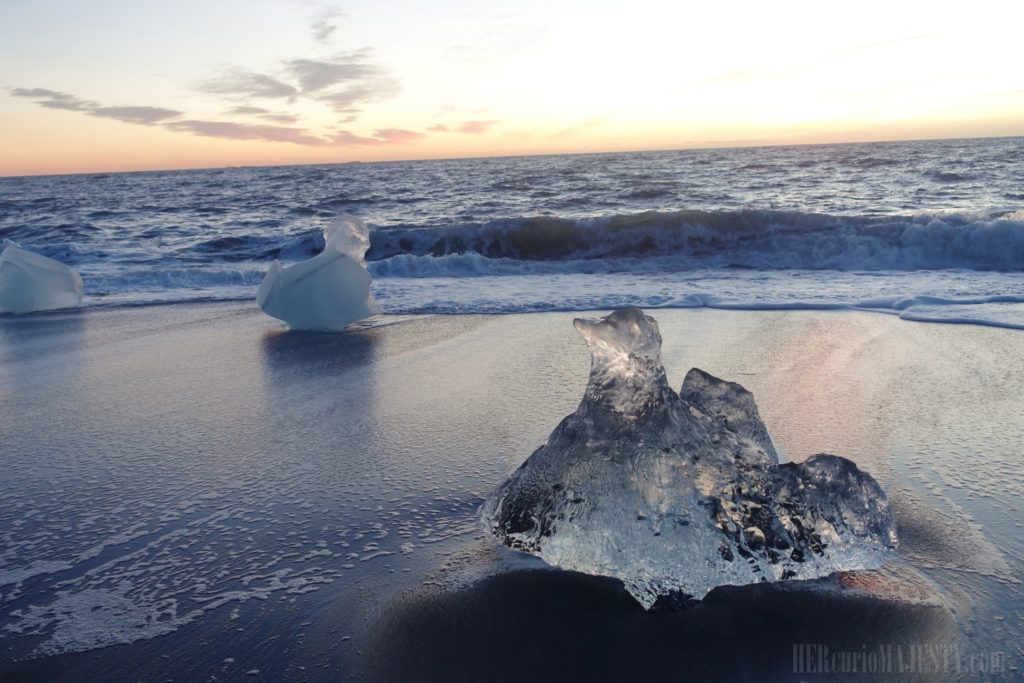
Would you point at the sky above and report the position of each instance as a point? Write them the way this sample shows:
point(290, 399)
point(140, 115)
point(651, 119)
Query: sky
point(115, 85)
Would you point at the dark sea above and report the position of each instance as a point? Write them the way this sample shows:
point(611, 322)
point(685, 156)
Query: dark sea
point(930, 230)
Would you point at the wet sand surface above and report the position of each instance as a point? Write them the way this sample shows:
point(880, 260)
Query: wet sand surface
point(190, 492)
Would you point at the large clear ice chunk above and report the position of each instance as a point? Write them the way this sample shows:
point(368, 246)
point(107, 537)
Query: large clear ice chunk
point(31, 282)
point(675, 494)
point(328, 291)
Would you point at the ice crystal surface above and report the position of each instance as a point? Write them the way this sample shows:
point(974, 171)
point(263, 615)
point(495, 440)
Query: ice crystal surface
point(326, 292)
point(677, 493)
point(32, 282)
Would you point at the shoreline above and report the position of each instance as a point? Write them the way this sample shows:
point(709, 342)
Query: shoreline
point(900, 311)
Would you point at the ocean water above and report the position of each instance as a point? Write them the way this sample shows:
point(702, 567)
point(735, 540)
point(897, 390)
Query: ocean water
point(930, 230)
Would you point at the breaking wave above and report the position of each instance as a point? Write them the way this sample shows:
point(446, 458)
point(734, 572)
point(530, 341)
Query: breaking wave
point(706, 239)
point(679, 240)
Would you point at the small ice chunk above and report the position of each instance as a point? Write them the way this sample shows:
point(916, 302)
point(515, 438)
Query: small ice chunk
point(675, 494)
point(32, 282)
point(328, 291)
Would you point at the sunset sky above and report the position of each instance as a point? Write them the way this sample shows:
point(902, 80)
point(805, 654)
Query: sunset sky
point(105, 85)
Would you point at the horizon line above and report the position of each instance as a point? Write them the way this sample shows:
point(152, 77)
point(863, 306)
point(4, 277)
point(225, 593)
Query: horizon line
point(696, 146)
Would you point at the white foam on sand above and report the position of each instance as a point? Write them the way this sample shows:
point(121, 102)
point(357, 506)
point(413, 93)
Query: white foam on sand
point(981, 298)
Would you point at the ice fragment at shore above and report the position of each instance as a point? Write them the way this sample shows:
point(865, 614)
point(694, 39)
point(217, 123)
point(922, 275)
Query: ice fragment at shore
point(675, 494)
point(328, 291)
point(32, 282)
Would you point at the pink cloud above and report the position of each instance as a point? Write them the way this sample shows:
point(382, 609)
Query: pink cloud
point(383, 136)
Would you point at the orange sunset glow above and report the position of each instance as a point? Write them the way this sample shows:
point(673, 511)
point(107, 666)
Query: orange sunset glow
point(116, 86)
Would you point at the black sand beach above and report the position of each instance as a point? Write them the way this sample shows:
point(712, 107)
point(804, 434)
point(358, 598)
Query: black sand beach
point(189, 492)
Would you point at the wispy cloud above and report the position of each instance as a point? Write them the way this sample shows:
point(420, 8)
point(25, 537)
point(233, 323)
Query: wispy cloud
point(385, 136)
point(315, 75)
point(141, 115)
point(470, 127)
point(54, 99)
point(267, 114)
point(244, 131)
point(324, 24)
point(343, 82)
point(280, 118)
point(476, 127)
point(399, 136)
point(246, 109)
point(237, 82)
point(348, 99)
point(171, 120)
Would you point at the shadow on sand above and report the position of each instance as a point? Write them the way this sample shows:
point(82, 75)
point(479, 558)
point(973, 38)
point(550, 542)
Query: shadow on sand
point(564, 626)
